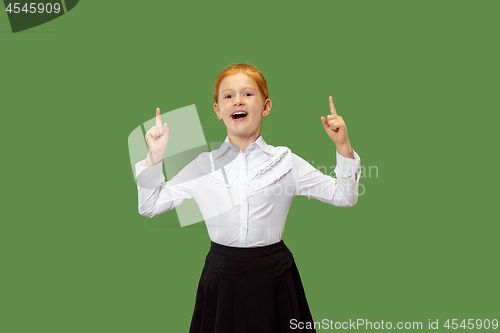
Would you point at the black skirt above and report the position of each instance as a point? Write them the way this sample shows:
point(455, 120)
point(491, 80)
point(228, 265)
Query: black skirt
point(254, 290)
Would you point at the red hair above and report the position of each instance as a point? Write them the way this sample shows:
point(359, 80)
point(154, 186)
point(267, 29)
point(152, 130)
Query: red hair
point(248, 70)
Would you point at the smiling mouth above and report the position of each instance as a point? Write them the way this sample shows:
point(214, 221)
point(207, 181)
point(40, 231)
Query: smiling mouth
point(239, 115)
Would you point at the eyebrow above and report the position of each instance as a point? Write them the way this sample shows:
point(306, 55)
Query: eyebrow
point(241, 89)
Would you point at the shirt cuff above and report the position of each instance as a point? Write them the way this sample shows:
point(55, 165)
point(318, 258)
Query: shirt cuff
point(347, 167)
point(149, 176)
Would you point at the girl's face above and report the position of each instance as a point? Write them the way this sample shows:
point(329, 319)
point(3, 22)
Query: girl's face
point(241, 105)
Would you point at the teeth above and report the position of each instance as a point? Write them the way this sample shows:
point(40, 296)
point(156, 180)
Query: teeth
point(239, 113)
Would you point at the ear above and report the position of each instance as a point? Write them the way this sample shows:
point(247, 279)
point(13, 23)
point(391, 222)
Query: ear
point(217, 110)
point(267, 107)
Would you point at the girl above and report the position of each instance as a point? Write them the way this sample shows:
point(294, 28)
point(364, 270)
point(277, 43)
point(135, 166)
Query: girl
point(250, 282)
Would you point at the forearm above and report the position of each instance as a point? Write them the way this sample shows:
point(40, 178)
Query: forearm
point(148, 198)
point(148, 185)
point(346, 151)
point(157, 196)
point(153, 159)
point(156, 199)
point(347, 184)
point(346, 192)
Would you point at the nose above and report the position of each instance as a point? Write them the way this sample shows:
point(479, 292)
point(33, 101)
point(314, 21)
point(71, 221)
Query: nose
point(237, 100)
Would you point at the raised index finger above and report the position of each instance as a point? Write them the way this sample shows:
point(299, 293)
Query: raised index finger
point(332, 107)
point(158, 117)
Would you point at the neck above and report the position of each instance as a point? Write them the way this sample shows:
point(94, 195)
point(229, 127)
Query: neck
point(243, 141)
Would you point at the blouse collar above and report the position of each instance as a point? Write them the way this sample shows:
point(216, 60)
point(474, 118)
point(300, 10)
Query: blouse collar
point(259, 142)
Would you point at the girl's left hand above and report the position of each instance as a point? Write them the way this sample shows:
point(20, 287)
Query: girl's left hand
point(335, 127)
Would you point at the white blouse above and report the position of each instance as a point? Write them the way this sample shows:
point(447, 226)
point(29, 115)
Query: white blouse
point(245, 197)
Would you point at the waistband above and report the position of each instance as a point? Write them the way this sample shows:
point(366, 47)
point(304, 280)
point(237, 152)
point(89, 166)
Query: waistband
point(247, 252)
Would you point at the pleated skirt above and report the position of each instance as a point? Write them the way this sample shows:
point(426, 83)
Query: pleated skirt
point(250, 290)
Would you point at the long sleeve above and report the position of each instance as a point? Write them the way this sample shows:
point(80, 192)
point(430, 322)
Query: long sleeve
point(157, 196)
point(341, 191)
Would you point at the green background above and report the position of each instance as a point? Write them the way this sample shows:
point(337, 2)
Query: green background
point(416, 83)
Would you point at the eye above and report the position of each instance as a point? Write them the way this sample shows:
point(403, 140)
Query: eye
point(248, 94)
point(227, 96)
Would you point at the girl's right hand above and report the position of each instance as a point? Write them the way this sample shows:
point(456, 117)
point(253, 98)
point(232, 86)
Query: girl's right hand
point(157, 138)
